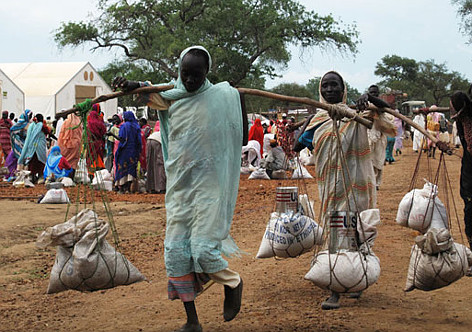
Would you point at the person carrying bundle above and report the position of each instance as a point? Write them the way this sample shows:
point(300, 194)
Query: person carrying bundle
point(203, 128)
point(359, 193)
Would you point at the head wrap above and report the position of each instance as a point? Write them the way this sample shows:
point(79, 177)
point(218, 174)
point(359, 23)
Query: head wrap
point(179, 91)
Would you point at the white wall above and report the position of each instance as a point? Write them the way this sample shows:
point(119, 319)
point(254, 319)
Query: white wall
point(15, 99)
point(65, 98)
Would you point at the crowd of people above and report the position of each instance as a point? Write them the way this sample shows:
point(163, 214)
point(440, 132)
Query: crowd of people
point(51, 150)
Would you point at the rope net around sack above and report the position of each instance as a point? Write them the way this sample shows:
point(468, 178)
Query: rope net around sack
point(109, 259)
point(295, 232)
point(336, 159)
point(441, 197)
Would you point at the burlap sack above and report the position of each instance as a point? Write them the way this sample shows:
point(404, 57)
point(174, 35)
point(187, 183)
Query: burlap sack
point(85, 261)
point(436, 261)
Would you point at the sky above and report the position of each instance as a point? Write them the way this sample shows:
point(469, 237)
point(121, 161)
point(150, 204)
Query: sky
point(417, 29)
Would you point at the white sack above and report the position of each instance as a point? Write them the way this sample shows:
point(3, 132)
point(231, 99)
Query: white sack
point(301, 173)
point(67, 182)
point(85, 261)
point(367, 225)
point(421, 209)
point(288, 235)
point(436, 261)
point(307, 206)
point(81, 173)
point(306, 157)
point(22, 180)
point(55, 196)
point(259, 173)
point(101, 175)
point(343, 272)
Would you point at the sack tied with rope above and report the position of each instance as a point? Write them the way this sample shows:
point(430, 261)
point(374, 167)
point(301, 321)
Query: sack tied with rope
point(436, 261)
point(421, 209)
point(289, 235)
point(85, 261)
point(346, 270)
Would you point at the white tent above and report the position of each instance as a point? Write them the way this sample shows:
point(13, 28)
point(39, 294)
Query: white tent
point(12, 98)
point(54, 86)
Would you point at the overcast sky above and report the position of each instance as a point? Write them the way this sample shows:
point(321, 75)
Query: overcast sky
point(418, 29)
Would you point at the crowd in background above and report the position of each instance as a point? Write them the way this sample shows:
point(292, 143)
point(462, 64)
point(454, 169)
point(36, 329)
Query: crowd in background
point(51, 150)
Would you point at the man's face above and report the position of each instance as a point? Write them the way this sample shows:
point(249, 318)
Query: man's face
point(332, 88)
point(193, 72)
point(374, 91)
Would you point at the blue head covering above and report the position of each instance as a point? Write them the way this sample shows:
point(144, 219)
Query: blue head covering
point(22, 121)
point(52, 164)
point(179, 91)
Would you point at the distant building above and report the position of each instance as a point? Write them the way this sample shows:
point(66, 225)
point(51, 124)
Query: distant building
point(12, 97)
point(50, 87)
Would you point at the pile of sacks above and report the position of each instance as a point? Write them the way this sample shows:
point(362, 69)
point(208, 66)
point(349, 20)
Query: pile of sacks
point(348, 270)
point(85, 261)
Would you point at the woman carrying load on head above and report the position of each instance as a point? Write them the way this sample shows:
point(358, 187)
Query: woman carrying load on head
point(18, 137)
point(202, 134)
point(359, 194)
point(128, 152)
point(70, 138)
point(96, 131)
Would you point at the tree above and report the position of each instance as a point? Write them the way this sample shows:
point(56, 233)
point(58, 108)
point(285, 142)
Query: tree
point(248, 39)
point(424, 80)
point(465, 12)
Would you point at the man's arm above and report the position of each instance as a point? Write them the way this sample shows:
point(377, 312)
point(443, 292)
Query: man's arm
point(244, 115)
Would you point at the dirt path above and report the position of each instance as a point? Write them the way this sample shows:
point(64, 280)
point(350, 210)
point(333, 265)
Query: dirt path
point(276, 297)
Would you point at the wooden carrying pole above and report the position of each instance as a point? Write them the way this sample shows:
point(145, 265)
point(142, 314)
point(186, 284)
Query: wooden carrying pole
point(102, 98)
point(254, 92)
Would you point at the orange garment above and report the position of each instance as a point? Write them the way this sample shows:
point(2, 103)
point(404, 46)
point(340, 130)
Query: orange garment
point(70, 138)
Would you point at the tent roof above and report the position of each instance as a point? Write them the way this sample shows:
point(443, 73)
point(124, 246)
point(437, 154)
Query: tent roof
point(41, 78)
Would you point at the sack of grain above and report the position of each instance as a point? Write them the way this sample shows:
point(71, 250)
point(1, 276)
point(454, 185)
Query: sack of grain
point(344, 271)
point(55, 196)
point(301, 173)
point(259, 173)
point(85, 261)
point(289, 235)
point(436, 261)
point(22, 180)
point(421, 209)
point(81, 173)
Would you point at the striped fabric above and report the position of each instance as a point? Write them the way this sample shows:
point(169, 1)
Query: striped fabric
point(186, 287)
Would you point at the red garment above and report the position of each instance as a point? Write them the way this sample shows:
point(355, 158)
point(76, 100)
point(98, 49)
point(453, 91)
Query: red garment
point(96, 131)
point(63, 164)
point(5, 140)
point(145, 132)
point(256, 133)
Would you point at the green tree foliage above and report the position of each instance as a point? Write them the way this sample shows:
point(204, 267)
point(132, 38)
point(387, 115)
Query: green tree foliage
point(248, 39)
point(465, 13)
point(424, 80)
